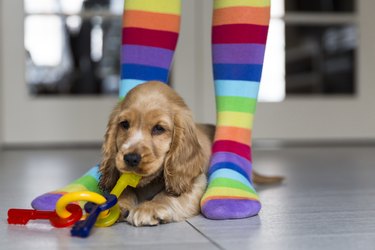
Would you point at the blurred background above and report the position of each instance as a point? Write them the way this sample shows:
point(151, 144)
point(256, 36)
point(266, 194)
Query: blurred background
point(59, 70)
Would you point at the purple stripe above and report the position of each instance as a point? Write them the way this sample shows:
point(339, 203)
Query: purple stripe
point(232, 158)
point(222, 209)
point(238, 53)
point(145, 55)
point(46, 201)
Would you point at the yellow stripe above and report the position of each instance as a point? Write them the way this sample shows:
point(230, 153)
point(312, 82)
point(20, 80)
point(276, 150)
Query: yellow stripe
point(230, 192)
point(160, 6)
point(72, 188)
point(218, 4)
point(235, 119)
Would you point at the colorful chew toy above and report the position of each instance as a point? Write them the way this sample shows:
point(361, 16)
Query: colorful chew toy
point(103, 211)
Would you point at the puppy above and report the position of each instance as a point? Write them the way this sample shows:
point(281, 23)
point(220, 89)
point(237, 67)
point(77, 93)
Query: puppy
point(152, 133)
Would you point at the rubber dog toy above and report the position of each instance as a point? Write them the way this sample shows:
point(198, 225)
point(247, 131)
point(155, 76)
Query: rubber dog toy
point(105, 212)
point(106, 219)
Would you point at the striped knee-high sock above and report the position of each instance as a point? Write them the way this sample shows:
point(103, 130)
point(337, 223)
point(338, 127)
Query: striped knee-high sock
point(239, 36)
point(149, 38)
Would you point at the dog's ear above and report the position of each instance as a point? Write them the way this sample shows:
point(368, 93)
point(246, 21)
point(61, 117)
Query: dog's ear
point(108, 170)
point(185, 159)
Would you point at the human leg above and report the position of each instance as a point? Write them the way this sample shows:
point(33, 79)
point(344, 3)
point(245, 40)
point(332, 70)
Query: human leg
point(239, 36)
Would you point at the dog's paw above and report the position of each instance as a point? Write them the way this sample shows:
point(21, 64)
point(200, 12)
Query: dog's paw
point(149, 214)
point(125, 208)
point(124, 213)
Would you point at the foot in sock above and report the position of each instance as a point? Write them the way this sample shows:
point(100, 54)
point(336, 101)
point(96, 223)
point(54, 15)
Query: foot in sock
point(88, 182)
point(230, 193)
point(239, 36)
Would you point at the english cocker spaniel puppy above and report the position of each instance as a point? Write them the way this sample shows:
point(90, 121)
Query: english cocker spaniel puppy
point(152, 133)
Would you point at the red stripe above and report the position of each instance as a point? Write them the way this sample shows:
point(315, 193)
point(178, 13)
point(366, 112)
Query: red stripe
point(239, 33)
point(154, 38)
point(232, 147)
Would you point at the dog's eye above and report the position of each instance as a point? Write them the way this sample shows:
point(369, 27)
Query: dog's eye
point(157, 130)
point(125, 125)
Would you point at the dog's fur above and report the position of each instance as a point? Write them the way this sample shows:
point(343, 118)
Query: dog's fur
point(154, 123)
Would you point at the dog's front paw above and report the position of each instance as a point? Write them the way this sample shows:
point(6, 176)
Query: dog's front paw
point(149, 214)
point(124, 213)
point(125, 208)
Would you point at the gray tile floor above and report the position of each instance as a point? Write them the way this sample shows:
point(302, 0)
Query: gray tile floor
point(326, 202)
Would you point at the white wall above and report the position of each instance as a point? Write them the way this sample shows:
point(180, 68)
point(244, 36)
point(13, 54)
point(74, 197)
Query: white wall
point(1, 77)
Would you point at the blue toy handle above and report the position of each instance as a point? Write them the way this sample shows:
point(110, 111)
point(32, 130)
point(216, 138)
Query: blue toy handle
point(82, 228)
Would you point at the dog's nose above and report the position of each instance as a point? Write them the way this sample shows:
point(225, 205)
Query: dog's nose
point(132, 159)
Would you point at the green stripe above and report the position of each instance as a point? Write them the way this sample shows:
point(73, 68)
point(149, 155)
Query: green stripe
point(89, 182)
point(236, 104)
point(230, 183)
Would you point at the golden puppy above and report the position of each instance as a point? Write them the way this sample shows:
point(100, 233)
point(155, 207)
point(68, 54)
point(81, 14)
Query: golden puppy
point(152, 133)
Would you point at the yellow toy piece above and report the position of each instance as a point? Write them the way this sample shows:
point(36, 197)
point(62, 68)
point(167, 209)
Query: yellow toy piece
point(76, 196)
point(126, 179)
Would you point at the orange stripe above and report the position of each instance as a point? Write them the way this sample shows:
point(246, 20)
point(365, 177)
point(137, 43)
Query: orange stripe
point(151, 20)
point(242, 15)
point(241, 135)
point(58, 192)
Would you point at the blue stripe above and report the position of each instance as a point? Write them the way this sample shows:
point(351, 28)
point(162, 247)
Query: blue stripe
point(247, 89)
point(230, 174)
point(94, 172)
point(147, 73)
point(228, 165)
point(128, 84)
point(245, 72)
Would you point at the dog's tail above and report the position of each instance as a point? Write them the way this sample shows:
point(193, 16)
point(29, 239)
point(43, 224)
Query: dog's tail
point(264, 180)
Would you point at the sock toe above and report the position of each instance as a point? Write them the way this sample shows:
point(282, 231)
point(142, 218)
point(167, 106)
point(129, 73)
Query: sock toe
point(46, 201)
point(230, 209)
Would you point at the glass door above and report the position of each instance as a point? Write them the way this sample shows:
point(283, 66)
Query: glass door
point(53, 75)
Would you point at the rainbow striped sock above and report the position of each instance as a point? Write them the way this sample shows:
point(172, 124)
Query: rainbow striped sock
point(89, 181)
point(149, 38)
point(239, 36)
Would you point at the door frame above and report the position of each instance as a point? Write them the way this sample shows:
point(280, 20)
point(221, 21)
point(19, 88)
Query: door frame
point(67, 120)
point(1, 77)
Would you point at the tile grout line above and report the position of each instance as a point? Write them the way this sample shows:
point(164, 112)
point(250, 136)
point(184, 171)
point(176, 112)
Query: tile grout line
point(205, 236)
